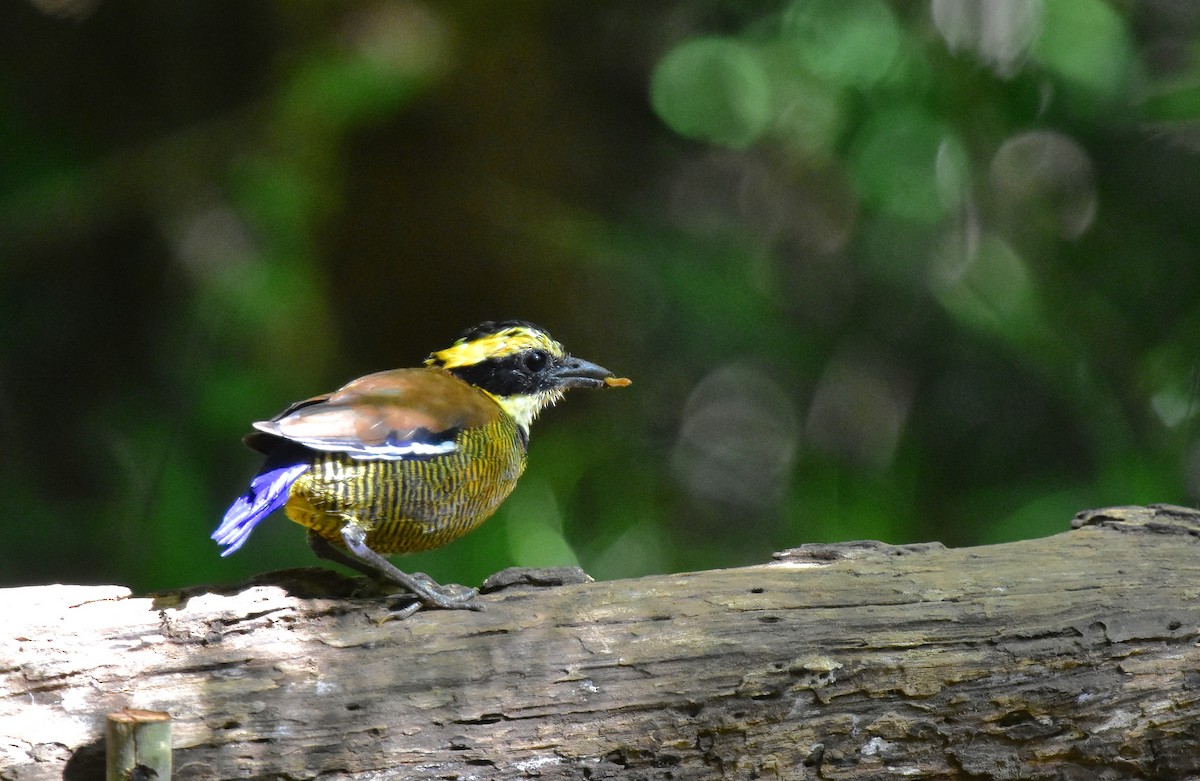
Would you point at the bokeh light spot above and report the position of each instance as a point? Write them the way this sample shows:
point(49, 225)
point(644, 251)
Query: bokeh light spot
point(713, 89)
point(1047, 179)
point(998, 32)
point(1086, 44)
point(909, 164)
point(859, 408)
point(809, 114)
point(848, 42)
point(738, 439)
point(982, 282)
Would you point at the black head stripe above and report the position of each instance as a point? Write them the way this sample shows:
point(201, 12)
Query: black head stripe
point(490, 327)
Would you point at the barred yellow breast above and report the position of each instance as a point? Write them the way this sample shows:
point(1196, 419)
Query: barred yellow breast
point(413, 505)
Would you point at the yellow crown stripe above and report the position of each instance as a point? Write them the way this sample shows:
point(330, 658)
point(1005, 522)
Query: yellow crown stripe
point(499, 345)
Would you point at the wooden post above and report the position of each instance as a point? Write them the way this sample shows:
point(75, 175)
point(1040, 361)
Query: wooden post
point(139, 745)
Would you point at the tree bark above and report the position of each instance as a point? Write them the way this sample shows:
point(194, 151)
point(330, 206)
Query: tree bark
point(1073, 656)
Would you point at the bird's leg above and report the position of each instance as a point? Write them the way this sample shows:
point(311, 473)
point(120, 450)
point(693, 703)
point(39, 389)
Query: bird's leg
point(326, 550)
point(370, 563)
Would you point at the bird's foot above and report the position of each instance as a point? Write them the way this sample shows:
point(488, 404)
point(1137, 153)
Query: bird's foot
point(418, 591)
point(426, 590)
point(451, 596)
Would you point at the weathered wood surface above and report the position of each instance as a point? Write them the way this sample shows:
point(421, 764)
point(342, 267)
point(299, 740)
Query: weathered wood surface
point(1073, 656)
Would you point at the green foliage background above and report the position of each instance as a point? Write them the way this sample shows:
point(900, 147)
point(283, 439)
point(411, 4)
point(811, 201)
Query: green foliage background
point(894, 270)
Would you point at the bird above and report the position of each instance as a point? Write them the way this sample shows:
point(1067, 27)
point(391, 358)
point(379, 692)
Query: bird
point(411, 459)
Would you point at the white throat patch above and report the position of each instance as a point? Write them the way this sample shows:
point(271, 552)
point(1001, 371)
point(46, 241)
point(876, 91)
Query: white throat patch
point(524, 408)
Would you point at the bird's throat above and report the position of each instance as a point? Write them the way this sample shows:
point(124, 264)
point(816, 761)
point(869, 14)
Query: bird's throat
point(524, 408)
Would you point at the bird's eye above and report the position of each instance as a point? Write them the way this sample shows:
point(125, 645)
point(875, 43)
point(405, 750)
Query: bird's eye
point(536, 360)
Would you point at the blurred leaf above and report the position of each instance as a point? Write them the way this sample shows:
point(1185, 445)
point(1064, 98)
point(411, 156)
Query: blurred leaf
point(534, 525)
point(338, 93)
point(1045, 514)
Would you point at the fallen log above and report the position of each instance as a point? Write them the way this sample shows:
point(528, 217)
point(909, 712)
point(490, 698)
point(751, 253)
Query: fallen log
point(1072, 656)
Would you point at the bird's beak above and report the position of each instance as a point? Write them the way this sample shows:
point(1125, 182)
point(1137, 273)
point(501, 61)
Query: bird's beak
point(572, 372)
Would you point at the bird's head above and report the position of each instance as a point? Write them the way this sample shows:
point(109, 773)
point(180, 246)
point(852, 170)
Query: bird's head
point(519, 365)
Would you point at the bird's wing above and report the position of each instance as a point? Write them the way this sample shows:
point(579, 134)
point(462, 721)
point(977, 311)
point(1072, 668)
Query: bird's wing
point(392, 415)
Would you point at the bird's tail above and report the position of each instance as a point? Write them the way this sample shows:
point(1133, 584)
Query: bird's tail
point(268, 491)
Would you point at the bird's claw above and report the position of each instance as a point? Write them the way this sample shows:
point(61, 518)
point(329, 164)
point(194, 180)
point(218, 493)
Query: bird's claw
point(451, 596)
